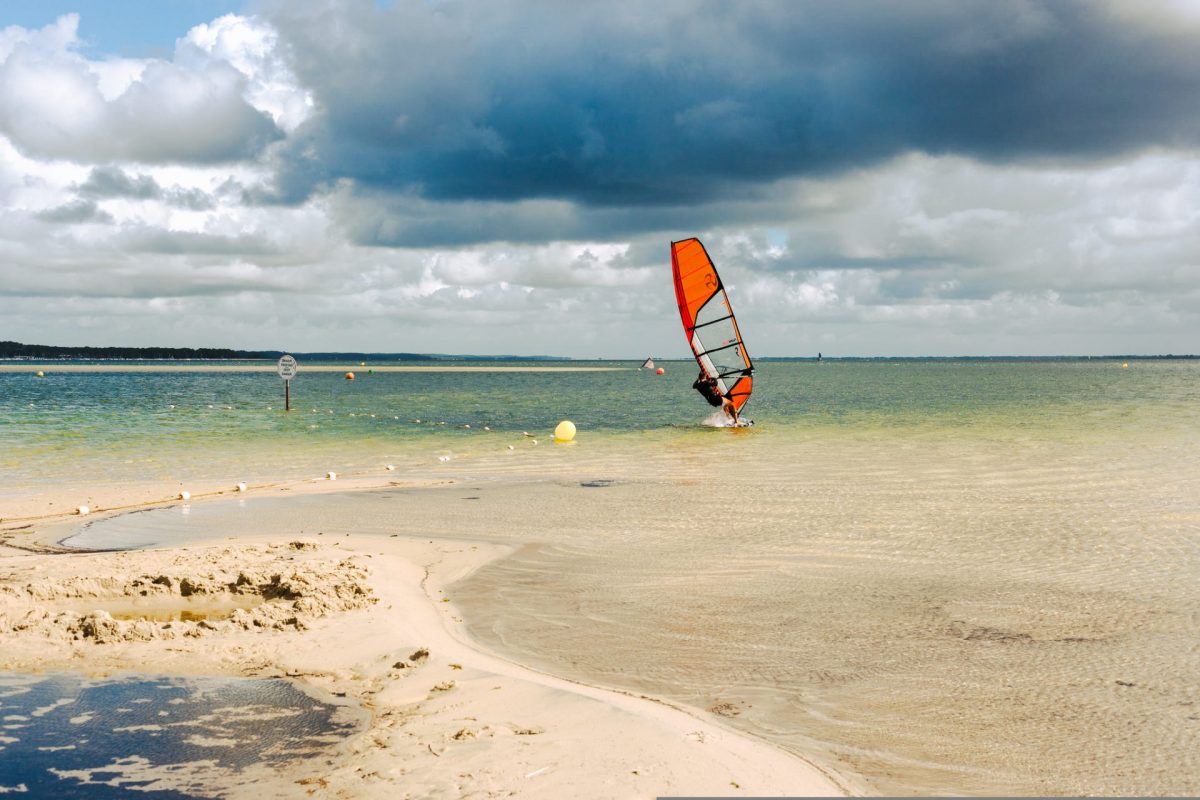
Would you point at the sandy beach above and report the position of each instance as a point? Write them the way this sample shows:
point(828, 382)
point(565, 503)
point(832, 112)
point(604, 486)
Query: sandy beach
point(370, 620)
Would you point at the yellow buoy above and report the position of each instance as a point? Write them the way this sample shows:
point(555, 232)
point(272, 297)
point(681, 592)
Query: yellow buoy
point(41, 374)
point(565, 432)
point(1125, 365)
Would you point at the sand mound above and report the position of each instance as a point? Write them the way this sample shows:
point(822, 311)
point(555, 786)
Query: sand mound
point(186, 594)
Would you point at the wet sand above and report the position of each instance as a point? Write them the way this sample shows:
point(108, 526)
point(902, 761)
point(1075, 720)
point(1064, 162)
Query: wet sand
point(368, 618)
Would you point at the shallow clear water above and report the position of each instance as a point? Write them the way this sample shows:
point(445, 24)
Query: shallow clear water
point(942, 577)
point(114, 427)
point(68, 736)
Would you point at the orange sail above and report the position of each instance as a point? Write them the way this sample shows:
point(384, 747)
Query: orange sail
point(709, 323)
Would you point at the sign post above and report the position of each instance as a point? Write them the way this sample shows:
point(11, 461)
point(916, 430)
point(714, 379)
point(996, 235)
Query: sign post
point(287, 370)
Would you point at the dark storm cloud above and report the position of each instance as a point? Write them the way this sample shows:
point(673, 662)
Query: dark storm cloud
point(376, 218)
point(677, 103)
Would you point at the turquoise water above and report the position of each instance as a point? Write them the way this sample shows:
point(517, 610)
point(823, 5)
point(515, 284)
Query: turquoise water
point(185, 426)
point(936, 577)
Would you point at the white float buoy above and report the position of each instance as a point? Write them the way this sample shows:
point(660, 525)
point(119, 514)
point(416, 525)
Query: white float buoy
point(332, 476)
point(565, 432)
point(241, 487)
point(185, 495)
point(533, 440)
point(486, 428)
point(390, 467)
point(83, 510)
point(510, 447)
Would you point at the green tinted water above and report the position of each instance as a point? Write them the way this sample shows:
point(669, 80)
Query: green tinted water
point(187, 426)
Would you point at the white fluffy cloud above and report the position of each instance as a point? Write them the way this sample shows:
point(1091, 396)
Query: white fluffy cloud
point(130, 212)
point(54, 103)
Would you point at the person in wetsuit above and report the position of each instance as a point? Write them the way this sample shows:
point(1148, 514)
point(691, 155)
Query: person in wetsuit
point(707, 387)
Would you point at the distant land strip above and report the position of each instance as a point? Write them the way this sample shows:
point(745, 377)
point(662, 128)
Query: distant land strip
point(17, 350)
point(70, 367)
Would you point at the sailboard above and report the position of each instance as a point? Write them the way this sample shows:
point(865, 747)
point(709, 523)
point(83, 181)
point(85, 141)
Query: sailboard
point(648, 364)
point(708, 322)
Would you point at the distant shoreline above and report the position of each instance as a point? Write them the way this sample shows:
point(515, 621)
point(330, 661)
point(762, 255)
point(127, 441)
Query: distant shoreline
point(29, 353)
point(69, 367)
point(378, 363)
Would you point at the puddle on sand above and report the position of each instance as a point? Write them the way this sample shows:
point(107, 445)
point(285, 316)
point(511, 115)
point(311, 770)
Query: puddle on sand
point(67, 736)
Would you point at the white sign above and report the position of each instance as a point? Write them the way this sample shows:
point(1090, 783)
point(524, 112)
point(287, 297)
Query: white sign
point(287, 368)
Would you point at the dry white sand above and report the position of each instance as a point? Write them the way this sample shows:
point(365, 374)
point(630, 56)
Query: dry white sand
point(368, 618)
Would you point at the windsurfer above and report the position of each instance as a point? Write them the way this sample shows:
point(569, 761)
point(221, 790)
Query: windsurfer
point(730, 409)
point(707, 387)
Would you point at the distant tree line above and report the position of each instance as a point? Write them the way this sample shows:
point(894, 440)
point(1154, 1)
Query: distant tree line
point(43, 351)
point(18, 350)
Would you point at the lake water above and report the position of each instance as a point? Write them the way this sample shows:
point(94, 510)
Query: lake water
point(937, 577)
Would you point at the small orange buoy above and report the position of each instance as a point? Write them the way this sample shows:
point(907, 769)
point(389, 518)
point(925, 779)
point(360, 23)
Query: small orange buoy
point(349, 376)
point(659, 371)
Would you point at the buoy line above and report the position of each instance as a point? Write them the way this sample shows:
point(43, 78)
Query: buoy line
point(242, 487)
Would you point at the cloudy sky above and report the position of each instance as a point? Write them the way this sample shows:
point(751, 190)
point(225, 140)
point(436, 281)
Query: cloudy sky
point(908, 178)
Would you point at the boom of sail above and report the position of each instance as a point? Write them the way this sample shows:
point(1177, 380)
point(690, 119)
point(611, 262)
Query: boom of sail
point(708, 321)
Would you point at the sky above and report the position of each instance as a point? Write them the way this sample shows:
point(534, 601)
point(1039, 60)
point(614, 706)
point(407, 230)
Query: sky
point(871, 178)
